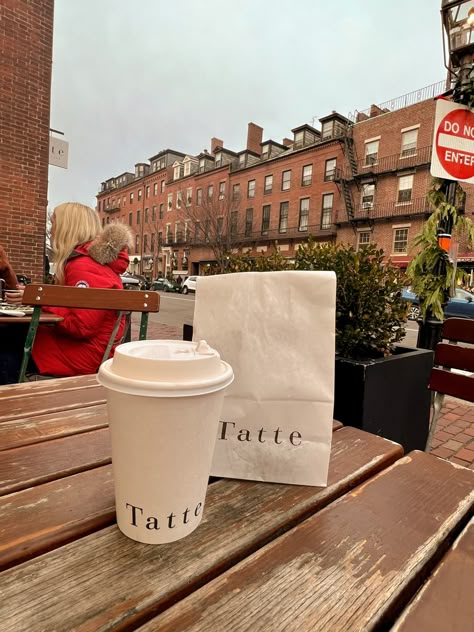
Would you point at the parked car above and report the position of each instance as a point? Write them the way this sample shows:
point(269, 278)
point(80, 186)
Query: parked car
point(461, 305)
point(189, 285)
point(134, 281)
point(165, 285)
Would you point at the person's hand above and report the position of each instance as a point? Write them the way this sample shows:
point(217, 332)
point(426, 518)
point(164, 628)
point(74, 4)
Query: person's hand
point(15, 297)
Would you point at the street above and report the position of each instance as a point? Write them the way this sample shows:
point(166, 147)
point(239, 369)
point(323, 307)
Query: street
point(178, 309)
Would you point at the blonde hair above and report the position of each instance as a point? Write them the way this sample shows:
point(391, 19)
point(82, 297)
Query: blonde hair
point(74, 224)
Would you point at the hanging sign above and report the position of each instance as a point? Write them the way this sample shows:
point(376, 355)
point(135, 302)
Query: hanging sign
point(453, 142)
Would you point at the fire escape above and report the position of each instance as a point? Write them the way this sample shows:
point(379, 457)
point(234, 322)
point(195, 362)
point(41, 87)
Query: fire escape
point(346, 176)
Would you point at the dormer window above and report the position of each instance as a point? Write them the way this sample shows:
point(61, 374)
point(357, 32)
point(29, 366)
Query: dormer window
point(242, 160)
point(299, 138)
point(176, 172)
point(265, 152)
point(202, 165)
point(218, 156)
point(327, 129)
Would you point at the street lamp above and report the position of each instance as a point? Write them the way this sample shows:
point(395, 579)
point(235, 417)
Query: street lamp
point(458, 22)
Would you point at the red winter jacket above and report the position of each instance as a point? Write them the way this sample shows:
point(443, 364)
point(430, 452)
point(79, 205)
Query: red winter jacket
point(76, 345)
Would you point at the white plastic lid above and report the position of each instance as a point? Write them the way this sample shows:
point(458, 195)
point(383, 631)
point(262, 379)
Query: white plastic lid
point(165, 368)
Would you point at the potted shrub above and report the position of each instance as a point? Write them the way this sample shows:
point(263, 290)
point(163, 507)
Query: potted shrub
point(379, 387)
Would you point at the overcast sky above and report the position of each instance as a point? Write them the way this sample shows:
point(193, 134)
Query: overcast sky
point(131, 78)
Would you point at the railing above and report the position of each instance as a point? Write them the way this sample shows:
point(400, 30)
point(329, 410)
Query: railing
point(374, 164)
point(271, 234)
point(423, 94)
point(416, 206)
point(111, 208)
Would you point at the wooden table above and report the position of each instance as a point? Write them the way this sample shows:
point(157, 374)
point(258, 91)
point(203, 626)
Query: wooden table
point(267, 557)
point(45, 319)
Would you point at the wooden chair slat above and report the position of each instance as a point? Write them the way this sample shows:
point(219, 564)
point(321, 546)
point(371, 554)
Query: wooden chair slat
point(32, 465)
point(65, 509)
point(26, 431)
point(369, 550)
point(454, 384)
point(81, 580)
point(454, 356)
point(32, 389)
point(91, 298)
point(445, 601)
point(461, 329)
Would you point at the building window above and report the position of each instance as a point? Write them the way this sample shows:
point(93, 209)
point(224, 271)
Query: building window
point(248, 222)
point(326, 213)
point(155, 188)
point(400, 241)
point(170, 201)
point(161, 214)
point(307, 176)
point(199, 197)
point(169, 238)
point(330, 169)
point(303, 219)
point(139, 194)
point(409, 141)
point(268, 185)
point(405, 188)
point(286, 180)
point(197, 228)
point(178, 199)
point(177, 232)
point(265, 152)
point(124, 199)
point(327, 129)
point(371, 152)
point(145, 243)
point(138, 217)
point(363, 238)
point(130, 219)
point(283, 223)
point(147, 192)
point(221, 190)
point(299, 138)
point(266, 219)
point(153, 213)
point(189, 196)
point(367, 195)
point(218, 159)
point(137, 244)
point(207, 230)
point(234, 218)
point(242, 160)
point(251, 189)
point(131, 198)
point(145, 218)
point(210, 191)
point(162, 186)
point(152, 242)
point(160, 238)
point(236, 192)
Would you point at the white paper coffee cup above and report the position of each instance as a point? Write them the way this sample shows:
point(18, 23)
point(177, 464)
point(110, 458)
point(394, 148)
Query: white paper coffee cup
point(164, 400)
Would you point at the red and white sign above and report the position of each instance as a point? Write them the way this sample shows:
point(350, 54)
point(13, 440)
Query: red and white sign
point(453, 143)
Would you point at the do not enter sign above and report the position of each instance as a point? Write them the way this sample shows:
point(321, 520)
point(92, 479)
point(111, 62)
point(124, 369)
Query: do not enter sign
point(453, 143)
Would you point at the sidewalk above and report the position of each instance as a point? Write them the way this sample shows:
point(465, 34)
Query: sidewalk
point(454, 437)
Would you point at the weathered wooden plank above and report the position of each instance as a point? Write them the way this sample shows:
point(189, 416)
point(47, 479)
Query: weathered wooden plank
point(108, 582)
point(31, 465)
point(337, 425)
point(38, 398)
point(454, 384)
point(25, 431)
point(461, 329)
point(446, 600)
point(64, 510)
point(348, 567)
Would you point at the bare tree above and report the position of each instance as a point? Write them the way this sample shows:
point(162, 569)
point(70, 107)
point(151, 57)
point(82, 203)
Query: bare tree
point(214, 220)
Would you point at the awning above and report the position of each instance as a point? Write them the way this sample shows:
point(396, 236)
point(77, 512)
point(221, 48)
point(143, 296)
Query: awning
point(401, 261)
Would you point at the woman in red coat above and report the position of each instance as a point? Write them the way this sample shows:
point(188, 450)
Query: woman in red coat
point(85, 256)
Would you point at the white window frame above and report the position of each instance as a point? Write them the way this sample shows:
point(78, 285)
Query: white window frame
point(222, 190)
point(251, 186)
point(325, 225)
point(366, 203)
point(360, 232)
point(396, 231)
point(286, 182)
point(409, 142)
point(371, 152)
point(307, 169)
point(268, 184)
point(170, 201)
point(402, 180)
point(303, 215)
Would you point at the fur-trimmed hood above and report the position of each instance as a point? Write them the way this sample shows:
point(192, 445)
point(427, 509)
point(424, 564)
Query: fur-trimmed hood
point(110, 247)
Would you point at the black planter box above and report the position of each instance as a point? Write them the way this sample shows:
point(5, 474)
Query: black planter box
point(387, 396)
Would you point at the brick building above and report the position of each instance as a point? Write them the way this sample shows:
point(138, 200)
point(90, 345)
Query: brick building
point(360, 179)
point(26, 37)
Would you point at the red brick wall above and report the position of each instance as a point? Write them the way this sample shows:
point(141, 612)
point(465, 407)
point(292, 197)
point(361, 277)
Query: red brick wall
point(26, 36)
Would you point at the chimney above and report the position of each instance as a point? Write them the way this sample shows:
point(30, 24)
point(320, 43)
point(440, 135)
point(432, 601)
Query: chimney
point(375, 110)
point(216, 142)
point(254, 138)
point(287, 142)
